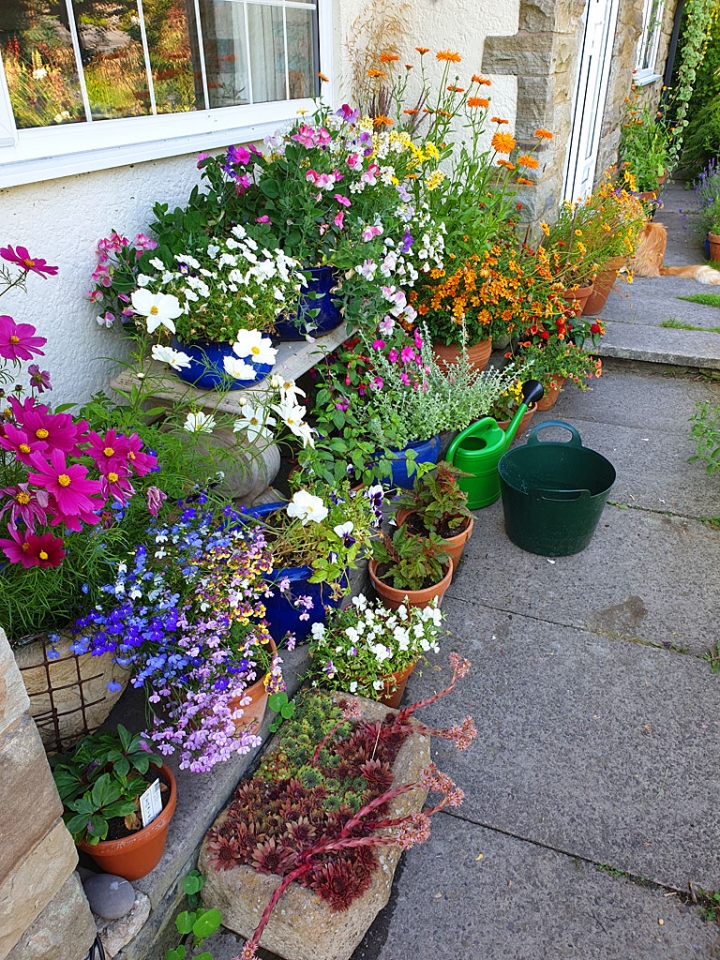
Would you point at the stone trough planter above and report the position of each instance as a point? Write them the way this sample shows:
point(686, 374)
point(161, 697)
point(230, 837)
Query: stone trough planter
point(302, 926)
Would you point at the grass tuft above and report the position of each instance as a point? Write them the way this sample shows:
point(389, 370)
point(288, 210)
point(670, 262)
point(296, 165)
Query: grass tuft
point(706, 299)
point(674, 324)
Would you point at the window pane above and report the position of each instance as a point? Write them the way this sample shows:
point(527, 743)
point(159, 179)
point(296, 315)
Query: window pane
point(267, 52)
point(302, 53)
point(178, 87)
point(223, 30)
point(39, 63)
point(112, 56)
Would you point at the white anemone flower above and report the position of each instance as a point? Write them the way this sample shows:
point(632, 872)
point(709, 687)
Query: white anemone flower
point(159, 309)
point(199, 422)
point(239, 369)
point(175, 358)
point(306, 507)
point(254, 422)
point(252, 344)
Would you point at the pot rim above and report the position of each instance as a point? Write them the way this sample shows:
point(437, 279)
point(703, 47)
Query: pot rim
point(444, 583)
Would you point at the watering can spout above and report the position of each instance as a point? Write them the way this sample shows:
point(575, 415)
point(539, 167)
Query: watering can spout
point(532, 392)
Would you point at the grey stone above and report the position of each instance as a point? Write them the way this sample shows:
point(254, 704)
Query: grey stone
point(595, 747)
point(643, 576)
point(13, 698)
point(685, 348)
point(302, 926)
point(109, 896)
point(64, 930)
point(117, 933)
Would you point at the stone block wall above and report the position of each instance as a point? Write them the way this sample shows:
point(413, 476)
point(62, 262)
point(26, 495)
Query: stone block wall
point(43, 910)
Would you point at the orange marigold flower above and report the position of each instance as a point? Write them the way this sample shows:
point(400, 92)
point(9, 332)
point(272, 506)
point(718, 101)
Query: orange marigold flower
point(372, 72)
point(410, 113)
point(323, 78)
point(543, 134)
point(382, 119)
point(527, 161)
point(388, 57)
point(503, 142)
point(498, 120)
point(448, 56)
point(483, 80)
point(478, 102)
point(453, 89)
point(422, 50)
point(525, 181)
point(444, 113)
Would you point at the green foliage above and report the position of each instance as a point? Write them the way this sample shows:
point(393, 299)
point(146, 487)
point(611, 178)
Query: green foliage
point(706, 299)
point(710, 905)
point(195, 924)
point(284, 708)
point(437, 499)
point(414, 562)
point(713, 658)
point(645, 144)
point(102, 779)
point(705, 432)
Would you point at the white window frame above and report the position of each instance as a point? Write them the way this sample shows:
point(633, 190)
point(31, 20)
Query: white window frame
point(649, 43)
point(46, 153)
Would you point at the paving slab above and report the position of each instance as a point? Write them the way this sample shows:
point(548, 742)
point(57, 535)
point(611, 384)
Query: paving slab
point(649, 301)
point(643, 576)
point(595, 747)
point(687, 348)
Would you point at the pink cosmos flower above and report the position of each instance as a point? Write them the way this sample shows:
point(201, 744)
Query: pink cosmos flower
point(18, 340)
point(20, 442)
point(140, 462)
point(68, 485)
point(117, 485)
point(109, 452)
point(31, 550)
point(39, 379)
point(57, 429)
point(24, 504)
point(22, 258)
point(342, 200)
point(339, 219)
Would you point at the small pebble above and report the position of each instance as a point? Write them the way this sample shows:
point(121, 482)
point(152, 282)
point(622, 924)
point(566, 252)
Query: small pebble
point(109, 896)
point(661, 922)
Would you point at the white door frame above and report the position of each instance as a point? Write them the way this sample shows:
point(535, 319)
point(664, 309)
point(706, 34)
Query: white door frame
point(590, 93)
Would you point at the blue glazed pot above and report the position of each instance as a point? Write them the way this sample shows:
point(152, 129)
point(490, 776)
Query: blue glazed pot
point(280, 614)
point(206, 368)
point(427, 451)
point(321, 281)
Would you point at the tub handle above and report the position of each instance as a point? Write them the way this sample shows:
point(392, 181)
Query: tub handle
point(559, 496)
point(574, 441)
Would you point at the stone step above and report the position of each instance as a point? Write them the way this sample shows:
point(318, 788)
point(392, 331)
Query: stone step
point(652, 344)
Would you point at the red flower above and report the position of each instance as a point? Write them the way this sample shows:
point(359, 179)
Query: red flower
point(68, 485)
point(596, 328)
point(29, 264)
point(17, 340)
point(33, 551)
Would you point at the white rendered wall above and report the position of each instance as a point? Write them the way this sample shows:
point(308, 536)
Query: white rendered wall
point(61, 220)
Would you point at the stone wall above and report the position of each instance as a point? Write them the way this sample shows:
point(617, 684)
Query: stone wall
point(43, 911)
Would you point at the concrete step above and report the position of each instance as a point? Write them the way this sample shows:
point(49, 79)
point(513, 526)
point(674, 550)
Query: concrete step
point(654, 344)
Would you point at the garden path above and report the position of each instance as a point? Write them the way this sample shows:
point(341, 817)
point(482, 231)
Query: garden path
point(592, 788)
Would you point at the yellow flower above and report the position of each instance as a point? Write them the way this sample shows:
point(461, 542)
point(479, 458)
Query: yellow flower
point(545, 229)
point(434, 180)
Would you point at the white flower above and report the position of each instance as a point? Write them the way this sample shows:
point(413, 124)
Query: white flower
point(353, 686)
point(213, 250)
point(157, 263)
point(142, 280)
point(289, 391)
point(292, 416)
point(253, 420)
point(344, 529)
point(187, 259)
point(318, 631)
point(199, 422)
point(252, 344)
point(378, 684)
point(360, 601)
point(307, 507)
point(159, 309)
point(175, 358)
point(352, 634)
point(239, 369)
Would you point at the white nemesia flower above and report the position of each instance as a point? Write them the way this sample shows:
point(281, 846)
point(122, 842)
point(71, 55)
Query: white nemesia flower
point(378, 684)
point(157, 263)
point(252, 344)
point(142, 280)
point(239, 369)
point(199, 422)
point(175, 358)
point(159, 309)
point(352, 634)
point(306, 507)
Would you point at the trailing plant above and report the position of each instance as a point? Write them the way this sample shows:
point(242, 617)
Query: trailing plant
point(362, 646)
point(102, 779)
point(316, 811)
point(410, 562)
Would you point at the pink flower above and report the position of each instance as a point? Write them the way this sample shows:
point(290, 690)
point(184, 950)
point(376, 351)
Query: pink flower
point(236, 155)
point(68, 485)
point(378, 345)
point(393, 356)
point(57, 430)
point(323, 137)
point(201, 157)
point(117, 485)
point(141, 463)
point(354, 161)
point(24, 504)
point(18, 340)
point(339, 219)
point(369, 233)
point(22, 443)
point(110, 452)
point(23, 259)
point(305, 136)
point(143, 243)
point(370, 175)
point(378, 383)
point(33, 551)
point(263, 219)
point(407, 354)
point(155, 497)
point(386, 325)
point(39, 379)
point(405, 378)
point(342, 200)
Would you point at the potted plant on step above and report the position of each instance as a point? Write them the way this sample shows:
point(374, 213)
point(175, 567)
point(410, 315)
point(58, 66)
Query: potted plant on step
point(101, 784)
point(370, 651)
point(410, 569)
point(436, 504)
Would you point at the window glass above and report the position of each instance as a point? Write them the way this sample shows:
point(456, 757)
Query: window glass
point(225, 47)
point(172, 44)
point(266, 32)
point(302, 53)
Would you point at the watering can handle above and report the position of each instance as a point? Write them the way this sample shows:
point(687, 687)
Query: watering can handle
point(574, 441)
point(479, 427)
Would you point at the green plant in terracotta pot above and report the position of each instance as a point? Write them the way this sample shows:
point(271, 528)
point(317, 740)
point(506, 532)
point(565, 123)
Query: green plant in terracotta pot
point(369, 650)
point(100, 784)
point(410, 569)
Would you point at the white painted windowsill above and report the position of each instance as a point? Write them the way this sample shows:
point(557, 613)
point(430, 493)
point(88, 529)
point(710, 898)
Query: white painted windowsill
point(643, 80)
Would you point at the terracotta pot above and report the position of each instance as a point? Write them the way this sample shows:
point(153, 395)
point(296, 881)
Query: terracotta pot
point(524, 423)
point(602, 285)
point(551, 395)
point(135, 856)
point(714, 243)
point(577, 297)
point(395, 688)
point(253, 712)
point(478, 355)
point(393, 598)
point(456, 543)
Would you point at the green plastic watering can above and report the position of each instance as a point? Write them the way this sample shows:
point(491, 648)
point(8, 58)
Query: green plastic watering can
point(477, 450)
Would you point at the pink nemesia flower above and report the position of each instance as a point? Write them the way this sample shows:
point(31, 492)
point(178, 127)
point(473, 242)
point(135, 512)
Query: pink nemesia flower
point(18, 340)
point(22, 258)
point(68, 485)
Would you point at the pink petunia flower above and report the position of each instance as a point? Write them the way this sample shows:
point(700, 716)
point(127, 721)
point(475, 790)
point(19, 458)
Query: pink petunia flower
point(69, 486)
point(22, 258)
point(407, 354)
point(378, 344)
point(18, 340)
point(393, 356)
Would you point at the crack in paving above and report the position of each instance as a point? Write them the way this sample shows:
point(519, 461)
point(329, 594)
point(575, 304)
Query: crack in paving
point(660, 513)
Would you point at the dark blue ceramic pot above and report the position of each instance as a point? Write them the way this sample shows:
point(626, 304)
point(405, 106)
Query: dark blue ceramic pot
point(427, 451)
point(206, 368)
point(321, 282)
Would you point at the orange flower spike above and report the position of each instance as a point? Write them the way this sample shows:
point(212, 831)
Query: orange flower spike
point(448, 56)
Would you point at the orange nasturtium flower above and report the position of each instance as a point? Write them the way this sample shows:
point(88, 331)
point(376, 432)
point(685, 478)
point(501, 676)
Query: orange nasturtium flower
point(448, 56)
point(527, 161)
point(543, 134)
point(478, 102)
point(503, 142)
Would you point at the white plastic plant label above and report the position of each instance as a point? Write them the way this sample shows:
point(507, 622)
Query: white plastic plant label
point(150, 803)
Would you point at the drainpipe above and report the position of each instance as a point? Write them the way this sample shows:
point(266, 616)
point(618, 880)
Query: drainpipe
point(672, 50)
